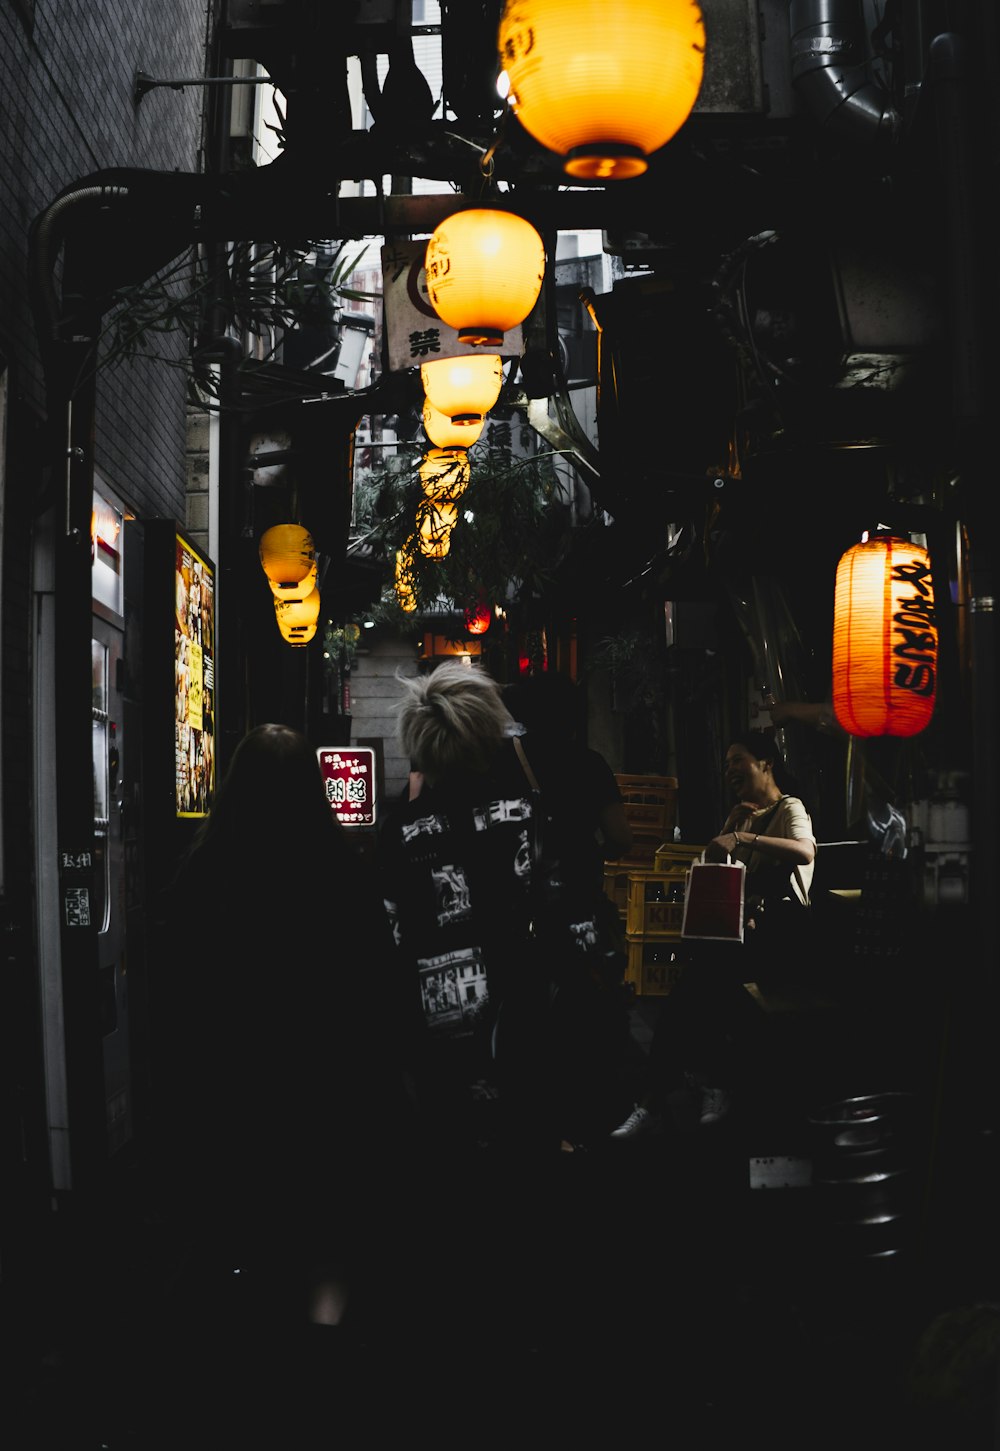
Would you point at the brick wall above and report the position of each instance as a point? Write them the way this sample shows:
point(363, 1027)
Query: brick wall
point(67, 71)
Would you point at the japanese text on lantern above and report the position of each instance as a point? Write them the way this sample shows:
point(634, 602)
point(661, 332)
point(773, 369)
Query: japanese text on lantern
point(914, 640)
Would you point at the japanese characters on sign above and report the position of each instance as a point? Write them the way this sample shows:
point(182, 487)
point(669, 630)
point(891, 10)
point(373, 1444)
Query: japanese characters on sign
point(349, 781)
point(415, 332)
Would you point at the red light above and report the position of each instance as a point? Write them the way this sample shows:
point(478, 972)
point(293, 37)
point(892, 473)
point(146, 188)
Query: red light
point(477, 621)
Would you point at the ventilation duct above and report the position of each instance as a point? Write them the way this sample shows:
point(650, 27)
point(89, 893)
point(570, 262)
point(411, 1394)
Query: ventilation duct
point(830, 74)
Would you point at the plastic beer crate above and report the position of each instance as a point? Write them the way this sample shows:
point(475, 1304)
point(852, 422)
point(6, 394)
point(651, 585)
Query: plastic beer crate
point(672, 854)
point(654, 964)
point(655, 905)
point(650, 803)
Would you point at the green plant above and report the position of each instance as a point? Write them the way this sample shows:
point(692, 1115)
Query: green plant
point(503, 546)
point(258, 289)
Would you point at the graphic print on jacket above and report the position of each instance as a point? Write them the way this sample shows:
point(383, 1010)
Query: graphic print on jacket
point(452, 912)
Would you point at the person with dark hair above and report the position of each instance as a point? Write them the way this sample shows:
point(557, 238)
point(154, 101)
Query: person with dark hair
point(699, 1023)
point(279, 956)
point(584, 824)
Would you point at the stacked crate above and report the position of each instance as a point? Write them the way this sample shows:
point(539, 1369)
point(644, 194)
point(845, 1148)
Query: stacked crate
point(653, 916)
point(651, 808)
point(654, 912)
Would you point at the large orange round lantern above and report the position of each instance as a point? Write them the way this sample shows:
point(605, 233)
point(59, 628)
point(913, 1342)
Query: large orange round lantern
point(288, 558)
point(443, 433)
point(885, 638)
point(435, 521)
point(297, 618)
point(484, 272)
point(603, 86)
point(463, 389)
point(445, 473)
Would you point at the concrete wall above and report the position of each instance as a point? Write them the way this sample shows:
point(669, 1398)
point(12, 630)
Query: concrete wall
point(374, 691)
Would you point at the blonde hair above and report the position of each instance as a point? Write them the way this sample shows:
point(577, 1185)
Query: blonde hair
point(452, 719)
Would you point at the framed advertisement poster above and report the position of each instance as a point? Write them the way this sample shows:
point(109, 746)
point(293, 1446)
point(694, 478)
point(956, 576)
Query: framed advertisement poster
point(194, 680)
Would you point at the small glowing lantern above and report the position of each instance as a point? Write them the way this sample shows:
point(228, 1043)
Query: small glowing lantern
point(603, 87)
point(885, 638)
point(435, 521)
point(443, 433)
point(404, 582)
point(484, 273)
point(478, 620)
point(297, 618)
point(298, 591)
point(463, 389)
point(445, 473)
point(288, 557)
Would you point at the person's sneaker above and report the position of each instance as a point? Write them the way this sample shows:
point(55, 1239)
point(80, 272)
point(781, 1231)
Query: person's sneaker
point(640, 1122)
point(715, 1104)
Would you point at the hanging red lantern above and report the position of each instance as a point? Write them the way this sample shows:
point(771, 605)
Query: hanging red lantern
point(885, 638)
point(484, 271)
point(478, 619)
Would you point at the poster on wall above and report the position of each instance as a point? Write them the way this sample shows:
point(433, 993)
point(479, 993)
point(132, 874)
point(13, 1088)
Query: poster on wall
point(194, 681)
point(349, 781)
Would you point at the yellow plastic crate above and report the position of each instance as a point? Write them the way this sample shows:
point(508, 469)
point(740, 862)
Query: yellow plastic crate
point(650, 803)
point(655, 905)
point(642, 852)
point(654, 964)
point(675, 854)
point(616, 880)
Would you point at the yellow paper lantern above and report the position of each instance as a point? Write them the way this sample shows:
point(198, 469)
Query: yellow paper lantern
point(288, 558)
point(443, 433)
point(885, 638)
point(463, 389)
point(445, 473)
point(484, 272)
point(299, 590)
point(404, 582)
point(602, 86)
point(435, 521)
point(297, 618)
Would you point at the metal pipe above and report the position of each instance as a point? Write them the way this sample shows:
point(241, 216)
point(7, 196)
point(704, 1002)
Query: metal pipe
point(830, 75)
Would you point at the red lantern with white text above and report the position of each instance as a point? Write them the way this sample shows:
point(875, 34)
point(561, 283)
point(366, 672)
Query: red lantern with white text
point(885, 638)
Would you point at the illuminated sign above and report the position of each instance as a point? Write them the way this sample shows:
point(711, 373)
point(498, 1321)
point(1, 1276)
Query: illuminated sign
point(194, 681)
point(349, 781)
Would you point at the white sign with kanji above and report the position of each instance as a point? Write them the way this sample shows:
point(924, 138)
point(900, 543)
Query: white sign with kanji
point(414, 331)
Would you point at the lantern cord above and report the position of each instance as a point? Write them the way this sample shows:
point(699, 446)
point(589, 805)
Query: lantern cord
point(486, 160)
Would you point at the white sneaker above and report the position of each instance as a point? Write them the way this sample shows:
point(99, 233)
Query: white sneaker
point(715, 1104)
point(639, 1122)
